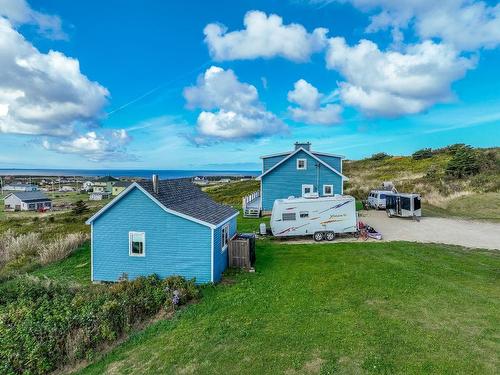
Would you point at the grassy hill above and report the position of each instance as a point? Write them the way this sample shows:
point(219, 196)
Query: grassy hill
point(474, 195)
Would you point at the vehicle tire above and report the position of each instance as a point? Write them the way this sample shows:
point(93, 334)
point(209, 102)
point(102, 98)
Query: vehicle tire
point(329, 236)
point(318, 236)
point(389, 213)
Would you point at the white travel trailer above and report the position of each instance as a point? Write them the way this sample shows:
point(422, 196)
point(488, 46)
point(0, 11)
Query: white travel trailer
point(321, 217)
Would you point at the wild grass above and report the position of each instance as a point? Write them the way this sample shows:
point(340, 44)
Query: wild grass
point(232, 193)
point(23, 252)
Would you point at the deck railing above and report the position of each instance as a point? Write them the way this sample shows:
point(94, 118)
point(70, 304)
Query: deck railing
point(250, 198)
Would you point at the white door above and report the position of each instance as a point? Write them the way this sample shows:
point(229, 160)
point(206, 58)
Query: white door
point(307, 189)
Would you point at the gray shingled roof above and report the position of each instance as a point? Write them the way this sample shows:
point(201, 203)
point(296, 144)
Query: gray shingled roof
point(182, 196)
point(31, 196)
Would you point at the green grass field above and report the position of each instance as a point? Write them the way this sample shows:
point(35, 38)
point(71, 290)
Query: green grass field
point(333, 308)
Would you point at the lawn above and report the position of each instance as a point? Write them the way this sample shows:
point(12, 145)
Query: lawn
point(333, 308)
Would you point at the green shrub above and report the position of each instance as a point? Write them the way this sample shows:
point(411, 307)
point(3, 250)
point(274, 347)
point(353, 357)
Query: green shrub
point(79, 208)
point(424, 153)
point(463, 163)
point(45, 325)
point(380, 156)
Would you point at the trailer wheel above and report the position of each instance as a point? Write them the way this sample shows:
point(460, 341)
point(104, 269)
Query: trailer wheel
point(329, 236)
point(389, 213)
point(318, 236)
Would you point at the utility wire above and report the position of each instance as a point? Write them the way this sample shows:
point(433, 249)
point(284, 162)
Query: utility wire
point(163, 85)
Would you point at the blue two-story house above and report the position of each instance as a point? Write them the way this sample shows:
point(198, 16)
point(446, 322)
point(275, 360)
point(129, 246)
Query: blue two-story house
point(167, 227)
point(295, 173)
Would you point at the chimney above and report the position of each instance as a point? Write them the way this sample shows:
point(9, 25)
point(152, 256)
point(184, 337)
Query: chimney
point(154, 178)
point(304, 145)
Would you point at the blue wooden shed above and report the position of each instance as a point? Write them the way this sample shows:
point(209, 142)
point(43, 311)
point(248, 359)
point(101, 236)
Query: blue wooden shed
point(167, 227)
point(295, 173)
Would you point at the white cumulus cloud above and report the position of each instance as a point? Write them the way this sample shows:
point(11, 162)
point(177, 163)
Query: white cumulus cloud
point(43, 93)
point(466, 24)
point(310, 109)
point(19, 12)
point(231, 109)
point(394, 83)
point(264, 36)
point(93, 146)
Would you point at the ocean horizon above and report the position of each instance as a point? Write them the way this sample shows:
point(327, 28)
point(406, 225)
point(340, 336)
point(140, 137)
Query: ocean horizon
point(141, 173)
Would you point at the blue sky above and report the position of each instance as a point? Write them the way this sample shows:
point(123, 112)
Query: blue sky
point(148, 85)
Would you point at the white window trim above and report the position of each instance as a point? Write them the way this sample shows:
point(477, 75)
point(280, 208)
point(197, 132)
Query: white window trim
point(305, 164)
point(130, 234)
point(331, 188)
point(224, 247)
point(304, 186)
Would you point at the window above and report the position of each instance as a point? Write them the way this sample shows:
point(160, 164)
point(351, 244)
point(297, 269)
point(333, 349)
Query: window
point(327, 189)
point(301, 164)
point(307, 189)
point(225, 237)
point(304, 214)
point(382, 196)
point(289, 216)
point(137, 244)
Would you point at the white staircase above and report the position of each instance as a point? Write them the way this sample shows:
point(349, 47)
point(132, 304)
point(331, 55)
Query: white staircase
point(252, 205)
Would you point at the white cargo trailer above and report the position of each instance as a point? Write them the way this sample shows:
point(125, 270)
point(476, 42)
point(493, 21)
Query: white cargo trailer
point(320, 217)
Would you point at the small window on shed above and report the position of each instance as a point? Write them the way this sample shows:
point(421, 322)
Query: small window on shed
point(137, 244)
point(225, 237)
point(289, 216)
point(327, 189)
point(304, 214)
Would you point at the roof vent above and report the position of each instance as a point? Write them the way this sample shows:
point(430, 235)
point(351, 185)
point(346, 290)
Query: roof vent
point(304, 145)
point(154, 178)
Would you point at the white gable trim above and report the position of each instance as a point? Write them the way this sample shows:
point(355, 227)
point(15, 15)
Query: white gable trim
point(272, 155)
point(327, 154)
point(136, 185)
point(308, 153)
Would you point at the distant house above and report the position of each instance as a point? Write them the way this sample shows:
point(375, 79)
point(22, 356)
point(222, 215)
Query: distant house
point(104, 184)
point(202, 181)
point(27, 201)
point(167, 227)
point(66, 189)
point(297, 173)
point(99, 196)
point(87, 185)
point(20, 187)
point(119, 186)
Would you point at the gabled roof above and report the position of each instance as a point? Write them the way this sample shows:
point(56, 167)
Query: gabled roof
point(308, 153)
point(312, 152)
point(30, 196)
point(122, 184)
point(180, 197)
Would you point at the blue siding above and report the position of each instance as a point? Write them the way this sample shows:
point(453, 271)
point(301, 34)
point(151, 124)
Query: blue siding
point(268, 163)
point(221, 257)
point(174, 246)
point(286, 180)
point(332, 161)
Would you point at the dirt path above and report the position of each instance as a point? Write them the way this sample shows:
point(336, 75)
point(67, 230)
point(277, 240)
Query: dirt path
point(467, 233)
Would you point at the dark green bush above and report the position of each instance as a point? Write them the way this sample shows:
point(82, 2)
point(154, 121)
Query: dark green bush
point(380, 156)
point(79, 208)
point(464, 162)
point(424, 153)
point(45, 325)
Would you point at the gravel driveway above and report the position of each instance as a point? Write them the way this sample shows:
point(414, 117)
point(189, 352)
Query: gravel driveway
point(434, 229)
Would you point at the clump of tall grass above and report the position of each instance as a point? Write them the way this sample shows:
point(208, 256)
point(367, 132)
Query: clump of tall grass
point(31, 248)
point(13, 247)
point(61, 247)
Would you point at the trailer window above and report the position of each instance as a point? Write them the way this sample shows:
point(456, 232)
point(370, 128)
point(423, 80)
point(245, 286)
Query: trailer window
point(289, 216)
point(405, 203)
point(416, 203)
point(382, 196)
point(304, 214)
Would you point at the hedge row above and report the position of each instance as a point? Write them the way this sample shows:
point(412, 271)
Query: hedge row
point(45, 325)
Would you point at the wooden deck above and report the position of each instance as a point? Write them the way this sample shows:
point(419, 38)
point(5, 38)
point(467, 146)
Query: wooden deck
point(252, 205)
